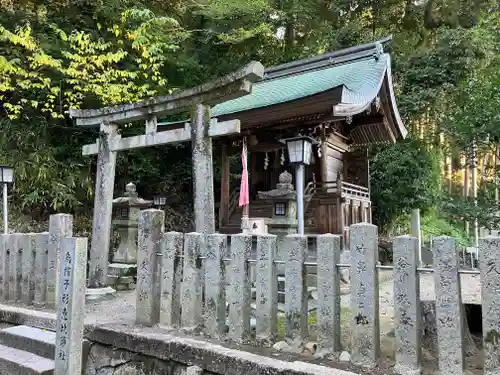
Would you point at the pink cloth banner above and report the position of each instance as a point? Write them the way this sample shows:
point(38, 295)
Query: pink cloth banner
point(244, 194)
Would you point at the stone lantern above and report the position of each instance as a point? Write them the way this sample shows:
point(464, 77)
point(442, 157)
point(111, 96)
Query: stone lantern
point(127, 209)
point(284, 200)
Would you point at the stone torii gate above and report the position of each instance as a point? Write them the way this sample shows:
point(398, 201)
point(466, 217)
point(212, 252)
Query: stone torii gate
point(200, 131)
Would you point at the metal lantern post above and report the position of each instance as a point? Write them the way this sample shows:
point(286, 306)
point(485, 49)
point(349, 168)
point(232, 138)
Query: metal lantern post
point(300, 154)
point(6, 177)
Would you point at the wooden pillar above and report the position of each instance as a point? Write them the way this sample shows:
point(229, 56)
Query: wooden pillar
point(324, 161)
point(340, 206)
point(224, 190)
point(355, 211)
point(252, 178)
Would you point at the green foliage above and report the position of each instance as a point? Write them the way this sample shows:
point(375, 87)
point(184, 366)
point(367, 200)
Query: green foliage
point(403, 176)
point(38, 85)
point(433, 225)
point(56, 54)
point(476, 113)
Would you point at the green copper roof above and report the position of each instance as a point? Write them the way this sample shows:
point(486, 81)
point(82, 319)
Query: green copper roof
point(361, 81)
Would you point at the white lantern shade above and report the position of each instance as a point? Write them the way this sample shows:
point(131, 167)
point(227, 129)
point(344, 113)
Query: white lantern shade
point(6, 174)
point(299, 150)
point(159, 200)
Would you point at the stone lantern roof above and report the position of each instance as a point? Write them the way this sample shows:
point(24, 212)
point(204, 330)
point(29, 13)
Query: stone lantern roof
point(131, 199)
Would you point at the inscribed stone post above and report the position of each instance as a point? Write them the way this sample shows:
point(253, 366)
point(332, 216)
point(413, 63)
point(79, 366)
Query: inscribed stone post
point(9, 241)
point(449, 308)
point(296, 329)
point(266, 313)
point(71, 306)
point(103, 205)
point(41, 264)
point(170, 308)
point(12, 251)
point(328, 320)
point(148, 295)
point(240, 288)
point(489, 259)
point(60, 226)
point(407, 305)
point(365, 328)
point(202, 170)
point(3, 269)
point(191, 290)
point(215, 291)
point(27, 250)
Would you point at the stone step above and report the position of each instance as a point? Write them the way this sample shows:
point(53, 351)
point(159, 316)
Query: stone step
point(29, 339)
point(19, 362)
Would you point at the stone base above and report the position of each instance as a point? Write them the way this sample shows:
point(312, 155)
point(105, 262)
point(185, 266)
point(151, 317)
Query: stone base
point(93, 294)
point(122, 276)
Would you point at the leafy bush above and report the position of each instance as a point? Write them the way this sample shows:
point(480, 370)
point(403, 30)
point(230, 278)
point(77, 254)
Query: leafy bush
point(403, 176)
point(432, 225)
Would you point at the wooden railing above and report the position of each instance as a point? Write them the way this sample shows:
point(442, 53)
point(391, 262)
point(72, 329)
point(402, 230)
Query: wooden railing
point(347, 189)
point(355, 191)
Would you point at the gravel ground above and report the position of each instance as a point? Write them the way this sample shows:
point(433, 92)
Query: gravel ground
point(121, 308)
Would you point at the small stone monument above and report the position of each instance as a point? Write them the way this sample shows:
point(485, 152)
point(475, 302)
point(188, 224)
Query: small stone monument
point(284, 199)
point(122, 270)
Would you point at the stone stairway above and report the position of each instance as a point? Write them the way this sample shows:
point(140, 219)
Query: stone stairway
point(26, 351)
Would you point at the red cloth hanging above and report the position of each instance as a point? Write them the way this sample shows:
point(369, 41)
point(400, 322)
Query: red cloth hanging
point(244, 193)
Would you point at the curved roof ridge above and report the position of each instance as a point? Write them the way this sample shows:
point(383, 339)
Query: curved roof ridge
point(343, 56)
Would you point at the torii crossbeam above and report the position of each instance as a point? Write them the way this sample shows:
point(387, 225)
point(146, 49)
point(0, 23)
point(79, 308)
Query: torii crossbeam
point(200, 131)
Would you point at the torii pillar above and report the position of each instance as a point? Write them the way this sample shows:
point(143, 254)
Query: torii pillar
point(203, 176)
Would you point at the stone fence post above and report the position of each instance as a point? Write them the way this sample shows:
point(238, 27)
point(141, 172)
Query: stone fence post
point(71, 306)
point(192, 285)
point(215, 285)
point(266, 294)
point(449, 310)
point(240, 288)
point(328, 325)
point(172, 250)
point(24, 276)
point(296, 329)
point(60, 226)
point(151, 223)
point(365, 328)
point(407, 319)
point(489, 260)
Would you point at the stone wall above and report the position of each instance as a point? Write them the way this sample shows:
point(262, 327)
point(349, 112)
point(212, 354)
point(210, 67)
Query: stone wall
point(107, 360)
point(120, 350)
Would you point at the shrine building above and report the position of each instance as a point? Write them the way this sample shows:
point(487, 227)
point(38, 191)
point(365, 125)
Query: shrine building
point(345, 101)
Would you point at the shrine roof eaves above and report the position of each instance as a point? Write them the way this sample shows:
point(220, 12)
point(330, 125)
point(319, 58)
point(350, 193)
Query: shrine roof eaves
point(360, 80)
point(358, 71)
